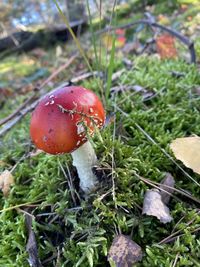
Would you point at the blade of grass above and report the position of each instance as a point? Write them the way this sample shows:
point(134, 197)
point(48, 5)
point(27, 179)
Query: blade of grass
point(93, 36)
point(65, 20)
point(78, 44)
point(21, 205)
point(113, 17)
point(100, 43)
point(110, 69)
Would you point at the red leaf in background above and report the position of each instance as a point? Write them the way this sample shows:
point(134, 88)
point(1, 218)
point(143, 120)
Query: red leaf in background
point(120, 37)
point(121, 40)
point(120, 31)
point(165, 45)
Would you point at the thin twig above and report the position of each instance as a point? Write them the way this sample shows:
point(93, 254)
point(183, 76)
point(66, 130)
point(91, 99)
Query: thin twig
point(12, 115)
point(174, 238)
point(174, 235)
point(22, 112)
point(113, 158)
point(26, 213)
point(176, 259)
point(156, 144)
point(186, 41)
point(157, 185)
point(60, 69)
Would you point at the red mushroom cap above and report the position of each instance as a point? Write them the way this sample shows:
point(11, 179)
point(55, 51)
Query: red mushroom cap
point(62, 119)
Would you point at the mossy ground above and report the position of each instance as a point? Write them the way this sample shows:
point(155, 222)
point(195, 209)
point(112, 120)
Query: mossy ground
point(79, 233)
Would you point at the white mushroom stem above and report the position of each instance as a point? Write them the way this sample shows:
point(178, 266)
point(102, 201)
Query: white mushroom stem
point(84, 158)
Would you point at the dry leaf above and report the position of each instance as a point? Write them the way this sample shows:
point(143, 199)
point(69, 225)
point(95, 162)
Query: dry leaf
point(187, 149)
point(164, 20)
point(166, 46)
point(6, 180)
point(154, 206)
point(167, 186)
point(124, 252)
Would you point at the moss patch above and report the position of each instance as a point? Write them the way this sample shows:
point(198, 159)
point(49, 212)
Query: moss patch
point(83, 231)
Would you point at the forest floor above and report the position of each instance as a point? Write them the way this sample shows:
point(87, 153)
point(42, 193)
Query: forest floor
point(151, 93)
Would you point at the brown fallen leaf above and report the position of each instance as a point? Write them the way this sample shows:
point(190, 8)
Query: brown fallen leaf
point(124, 252)
point(154, 206)
point(167, 185)
point(165, 45)
point(187, 149)
point(6, 180)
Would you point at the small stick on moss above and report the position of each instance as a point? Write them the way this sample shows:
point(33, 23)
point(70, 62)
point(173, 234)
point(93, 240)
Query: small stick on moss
point(19, 111)
point(18, 114)
point(186, 41)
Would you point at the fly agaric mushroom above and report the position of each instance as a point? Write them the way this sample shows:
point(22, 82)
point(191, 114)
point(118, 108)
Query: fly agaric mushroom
point(61, 123)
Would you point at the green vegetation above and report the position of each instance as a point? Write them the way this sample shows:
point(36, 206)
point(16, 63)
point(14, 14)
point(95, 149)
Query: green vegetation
point(71, 231)
point(84, 235)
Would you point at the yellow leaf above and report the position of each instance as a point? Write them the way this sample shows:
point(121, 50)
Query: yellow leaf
point(187, 150)
point(6, 180)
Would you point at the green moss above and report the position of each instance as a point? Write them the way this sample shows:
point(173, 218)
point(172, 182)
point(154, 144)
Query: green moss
point(19, 66)
point(83, 231)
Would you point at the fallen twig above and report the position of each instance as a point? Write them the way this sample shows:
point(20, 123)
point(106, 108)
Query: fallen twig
point(12, 115)
point(31, 246)
point(177, 234)
point(156, 144)
point(156, 185)
point(17, 116)
point(34, 95)
point(186, 41)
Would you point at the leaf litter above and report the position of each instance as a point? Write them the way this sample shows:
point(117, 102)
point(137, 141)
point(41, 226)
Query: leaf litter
point(155, 201)
point(6, 180)
point(124, 252)
point(187, 150)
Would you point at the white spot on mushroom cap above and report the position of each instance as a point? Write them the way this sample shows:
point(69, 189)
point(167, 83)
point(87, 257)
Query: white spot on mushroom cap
point(44, 138)
point(51, 96)
point(52, 102)
point(80, 128)
point(75, 104)
point(96, 121)
point(78, 143)
point(47, 104)
point(91, 110)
